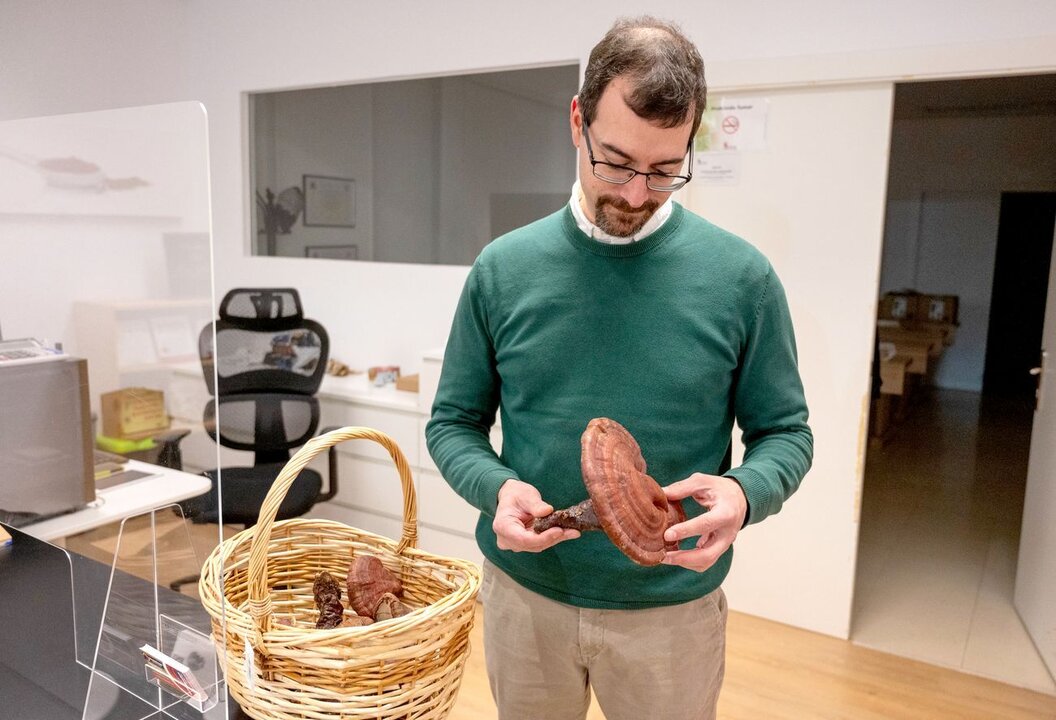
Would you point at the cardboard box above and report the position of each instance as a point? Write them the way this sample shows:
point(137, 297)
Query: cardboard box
point(408, 383)
point(133, 413)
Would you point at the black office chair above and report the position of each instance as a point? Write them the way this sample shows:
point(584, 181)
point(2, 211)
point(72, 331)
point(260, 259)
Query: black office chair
point(269, 362)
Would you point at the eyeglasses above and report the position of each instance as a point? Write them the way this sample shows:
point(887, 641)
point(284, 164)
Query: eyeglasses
point(621, 174)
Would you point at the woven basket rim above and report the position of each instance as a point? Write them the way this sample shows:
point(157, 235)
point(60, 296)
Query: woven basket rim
point(219, 565)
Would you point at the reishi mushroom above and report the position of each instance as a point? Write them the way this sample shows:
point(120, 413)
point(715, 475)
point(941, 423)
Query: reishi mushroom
point(368, 581)
point(624, 501)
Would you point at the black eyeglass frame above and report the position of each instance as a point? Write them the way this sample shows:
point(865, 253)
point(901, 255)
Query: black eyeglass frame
point(635, 173)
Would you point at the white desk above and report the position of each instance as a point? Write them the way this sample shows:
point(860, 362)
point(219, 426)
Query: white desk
point(162, 487)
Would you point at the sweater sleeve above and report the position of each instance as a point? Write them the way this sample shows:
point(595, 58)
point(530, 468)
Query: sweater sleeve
point(466, 402)
point(771, 409)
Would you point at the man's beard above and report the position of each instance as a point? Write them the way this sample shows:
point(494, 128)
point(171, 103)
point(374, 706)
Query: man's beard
point(614, 215)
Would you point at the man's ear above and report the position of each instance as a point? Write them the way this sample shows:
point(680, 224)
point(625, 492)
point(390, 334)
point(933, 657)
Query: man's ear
point(575, 121)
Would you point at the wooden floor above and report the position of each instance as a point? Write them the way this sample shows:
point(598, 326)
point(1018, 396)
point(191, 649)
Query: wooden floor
point(773, 672)
point(776, 672)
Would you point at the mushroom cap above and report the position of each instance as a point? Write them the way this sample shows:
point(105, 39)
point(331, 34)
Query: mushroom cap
point(368, 580)
point(630, 505)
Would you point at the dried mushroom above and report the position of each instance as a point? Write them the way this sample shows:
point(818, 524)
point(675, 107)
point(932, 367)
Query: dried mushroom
point(624, 501)
point(368, 580)
point(327, 600)
point(355, 621)
point(389, 607)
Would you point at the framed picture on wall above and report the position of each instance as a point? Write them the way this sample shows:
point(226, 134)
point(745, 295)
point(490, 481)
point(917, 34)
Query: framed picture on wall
point(329, 201)
point(332, 252)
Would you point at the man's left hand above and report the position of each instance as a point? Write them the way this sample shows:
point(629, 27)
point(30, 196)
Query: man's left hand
point(726, 508)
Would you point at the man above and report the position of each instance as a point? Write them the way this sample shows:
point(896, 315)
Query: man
point(627, 306)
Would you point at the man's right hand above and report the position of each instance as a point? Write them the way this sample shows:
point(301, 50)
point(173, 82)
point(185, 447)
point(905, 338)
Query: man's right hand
point(520, 504)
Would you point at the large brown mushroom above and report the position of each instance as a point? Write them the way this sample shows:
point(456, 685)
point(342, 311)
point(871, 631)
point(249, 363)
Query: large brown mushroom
point(368, 581)
point(624, 501)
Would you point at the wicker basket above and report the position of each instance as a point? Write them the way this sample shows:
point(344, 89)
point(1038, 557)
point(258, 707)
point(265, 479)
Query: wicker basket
point(256, 582)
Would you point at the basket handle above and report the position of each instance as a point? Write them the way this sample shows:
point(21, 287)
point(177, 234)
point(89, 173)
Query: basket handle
point(259, 595)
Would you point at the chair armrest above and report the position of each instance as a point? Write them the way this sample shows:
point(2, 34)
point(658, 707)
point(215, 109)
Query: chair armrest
point(331, 457)
point(166, 450)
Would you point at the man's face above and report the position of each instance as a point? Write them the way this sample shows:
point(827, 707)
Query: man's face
point(620, 137)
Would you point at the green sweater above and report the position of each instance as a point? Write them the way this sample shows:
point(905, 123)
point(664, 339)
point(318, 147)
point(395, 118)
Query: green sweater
point(673, 336)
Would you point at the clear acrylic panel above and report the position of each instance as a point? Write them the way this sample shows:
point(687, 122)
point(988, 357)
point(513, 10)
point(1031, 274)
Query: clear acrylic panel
point(152, 643)
point(106, 260)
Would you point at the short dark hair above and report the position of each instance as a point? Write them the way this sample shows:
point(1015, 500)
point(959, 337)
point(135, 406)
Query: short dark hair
point(664, 67)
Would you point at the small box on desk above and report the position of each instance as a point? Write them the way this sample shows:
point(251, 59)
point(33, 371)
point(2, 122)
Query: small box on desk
point(133, 412)
point(407, 383)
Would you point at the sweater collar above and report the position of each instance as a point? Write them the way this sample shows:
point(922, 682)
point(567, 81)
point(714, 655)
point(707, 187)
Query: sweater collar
point(581, 240)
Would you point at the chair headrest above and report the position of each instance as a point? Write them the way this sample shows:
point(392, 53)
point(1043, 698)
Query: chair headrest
point(262, 308)
point(263, 342)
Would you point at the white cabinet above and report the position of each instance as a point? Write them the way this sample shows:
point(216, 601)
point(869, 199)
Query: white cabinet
point(138, 342)
point(369, 495)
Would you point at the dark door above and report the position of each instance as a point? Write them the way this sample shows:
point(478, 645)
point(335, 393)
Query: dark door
point(1017, 305)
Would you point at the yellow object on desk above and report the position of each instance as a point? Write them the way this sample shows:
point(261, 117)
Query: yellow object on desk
point(121, 446)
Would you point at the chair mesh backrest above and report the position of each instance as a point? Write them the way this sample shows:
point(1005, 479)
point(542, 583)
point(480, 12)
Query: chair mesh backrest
point(263, 422)
point(269, 362)
point(277, 351)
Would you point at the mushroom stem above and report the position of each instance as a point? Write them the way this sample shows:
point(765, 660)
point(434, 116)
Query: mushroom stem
point(578, 517)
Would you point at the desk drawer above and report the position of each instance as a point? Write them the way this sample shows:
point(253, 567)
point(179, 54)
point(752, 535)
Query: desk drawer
point(401, 427)
point(441, 507)
point(442, 543)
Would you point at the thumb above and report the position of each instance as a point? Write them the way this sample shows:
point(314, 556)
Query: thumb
point(539, 508)
point(535, 505)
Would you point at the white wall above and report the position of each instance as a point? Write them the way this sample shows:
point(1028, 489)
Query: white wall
point(822, 234)
point(61, 244)
point(944, 199)
point(117, 52)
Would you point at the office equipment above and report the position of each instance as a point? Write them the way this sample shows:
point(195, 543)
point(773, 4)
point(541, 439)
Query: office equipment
point(27, 350)
point(46, 462)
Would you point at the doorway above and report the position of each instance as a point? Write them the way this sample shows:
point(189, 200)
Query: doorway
point(942, 502)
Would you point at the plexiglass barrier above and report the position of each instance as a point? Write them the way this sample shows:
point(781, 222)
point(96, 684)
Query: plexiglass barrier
point(106, 263)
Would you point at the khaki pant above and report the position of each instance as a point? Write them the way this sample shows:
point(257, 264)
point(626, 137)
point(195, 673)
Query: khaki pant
point(543, 656)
